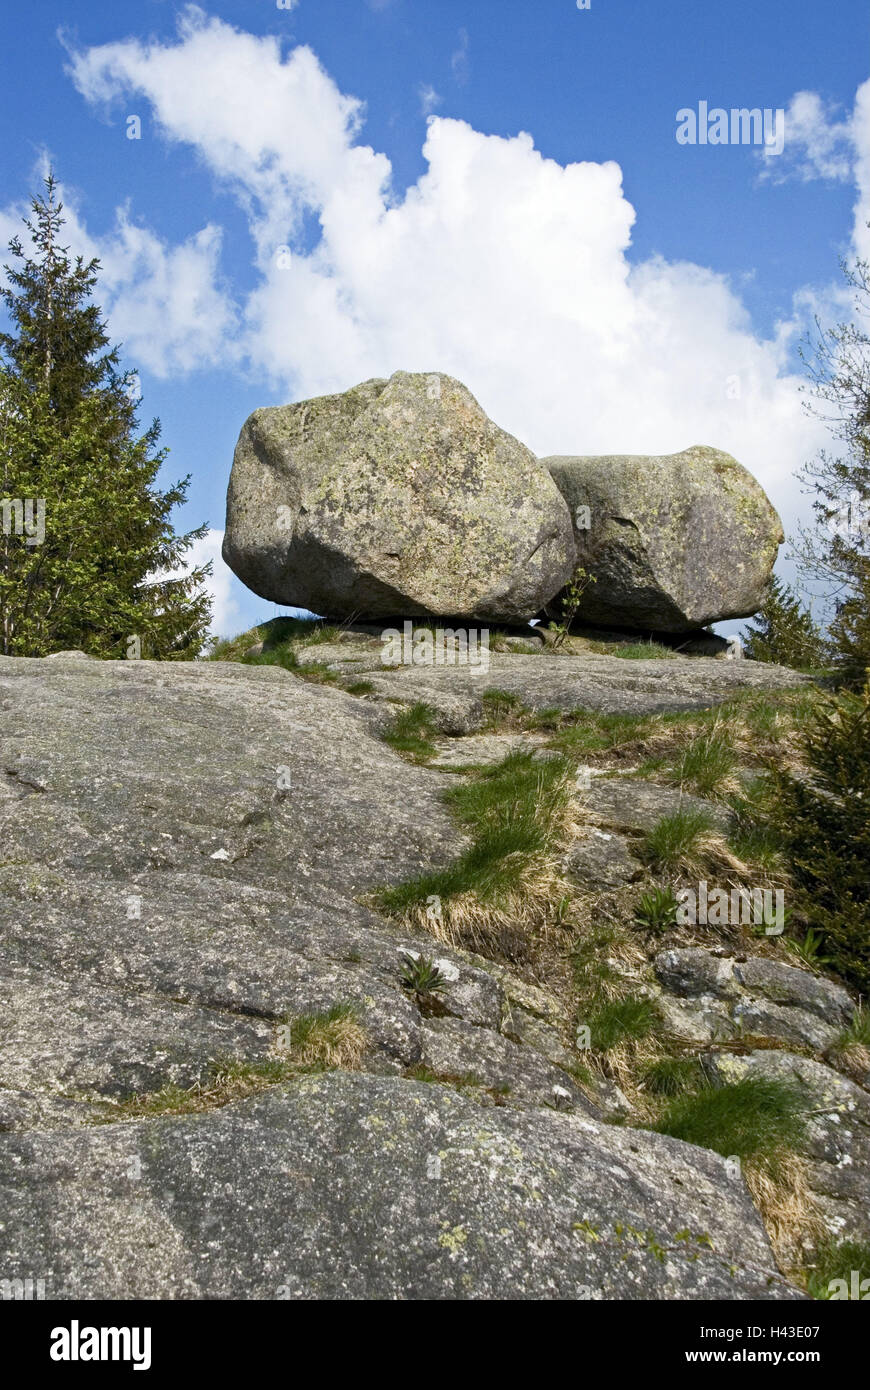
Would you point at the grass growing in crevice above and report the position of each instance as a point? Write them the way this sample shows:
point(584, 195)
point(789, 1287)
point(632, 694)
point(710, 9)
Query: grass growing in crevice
point(507, 883)
point(225, 1081)
point(851, 1051)
point(846, 1261)
point(762, 1122)
point(753, 1118)
point(317, 1042)
point(412, 732)
point(336, 1038)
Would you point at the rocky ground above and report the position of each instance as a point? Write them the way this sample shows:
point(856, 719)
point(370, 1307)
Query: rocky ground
point(189, 863)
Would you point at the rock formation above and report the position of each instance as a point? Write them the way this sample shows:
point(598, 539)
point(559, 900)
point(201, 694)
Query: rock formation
point(187, 851)
point(397, 497)
point(674, 542)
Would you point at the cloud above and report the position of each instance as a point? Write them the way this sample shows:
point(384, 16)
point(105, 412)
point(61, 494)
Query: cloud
point(502, 267)
point(459, 60)
point(817, 145)
point(823, 142)
point(429, 99)
point(222, 586)
point(166, 304)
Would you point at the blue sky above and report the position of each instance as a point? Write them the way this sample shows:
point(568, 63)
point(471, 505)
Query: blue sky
point(490, 189)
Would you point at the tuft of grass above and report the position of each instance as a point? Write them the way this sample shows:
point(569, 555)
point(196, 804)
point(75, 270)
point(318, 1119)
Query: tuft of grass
point(755, 1117)
point(332, 1039)
point(503, 709)
point(412, 732)
point(657, 908)
point(673, 1076)
point(838, 1260)
point(359, 688)
point(508, 880)
point(679, 843)
point(707, 765)
point(619, 1021)
point(851, 1051)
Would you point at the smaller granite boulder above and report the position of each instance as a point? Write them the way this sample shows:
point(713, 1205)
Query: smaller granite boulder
point(674, 542)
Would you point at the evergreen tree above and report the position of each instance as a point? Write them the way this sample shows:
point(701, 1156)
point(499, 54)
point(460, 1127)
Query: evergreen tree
point(784, 631)
point(837, 550)
point(824, 819)
point(107, 568)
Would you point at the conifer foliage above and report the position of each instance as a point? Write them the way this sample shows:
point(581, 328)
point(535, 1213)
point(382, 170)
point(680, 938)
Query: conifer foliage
point(784, 631)
point(88, 555)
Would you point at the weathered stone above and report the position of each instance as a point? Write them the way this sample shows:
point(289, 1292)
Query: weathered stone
point(691, 971)
point(451, 1047)
point(638, 806)
point(602, 860)
point(398, 497)
point(360, 1187)
point(785, 984)
point(673, 541)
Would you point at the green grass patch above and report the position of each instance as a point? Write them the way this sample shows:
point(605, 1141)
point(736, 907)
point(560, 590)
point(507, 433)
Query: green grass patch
point(412, 732)
point(676, 842)
point(707, 765)
point(621, 1020)
point(673, 1076)
point(847, 1261)
point(515, 813)
point(755, 1117)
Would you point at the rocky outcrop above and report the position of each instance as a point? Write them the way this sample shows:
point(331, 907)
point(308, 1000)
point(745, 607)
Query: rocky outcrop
point(712, 996)
point(397, 497)
point(370, 1187)
point(673, 542)
point(186, 851)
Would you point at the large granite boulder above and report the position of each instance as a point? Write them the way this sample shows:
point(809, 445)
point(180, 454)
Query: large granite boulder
point(397, 497)
point(674, 541)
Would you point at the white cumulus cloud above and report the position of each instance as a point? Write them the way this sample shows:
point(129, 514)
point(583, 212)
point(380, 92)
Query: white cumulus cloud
point(502, 267)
